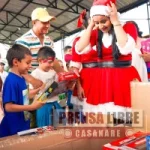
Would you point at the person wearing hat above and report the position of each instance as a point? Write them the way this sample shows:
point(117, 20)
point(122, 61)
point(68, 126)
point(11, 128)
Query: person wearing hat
point(3, 73)
point(107, 70)
point(36, 38)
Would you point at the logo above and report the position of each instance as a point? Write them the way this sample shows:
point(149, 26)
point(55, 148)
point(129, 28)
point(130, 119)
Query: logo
point(95, 132)
point(95, 119)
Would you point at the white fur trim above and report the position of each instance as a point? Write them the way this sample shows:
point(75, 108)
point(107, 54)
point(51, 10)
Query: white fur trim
point(105, 108)
point(99, 10)
point(76, 64)
point(107, 39)
point(127, 49)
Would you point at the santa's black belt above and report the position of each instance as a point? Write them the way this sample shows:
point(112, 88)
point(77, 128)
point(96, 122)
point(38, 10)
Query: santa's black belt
point(107, 64)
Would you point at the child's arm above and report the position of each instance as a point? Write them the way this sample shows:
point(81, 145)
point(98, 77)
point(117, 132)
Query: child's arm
point(10, 107)
point(33, 92)
point(57, 67)
point(35, 82)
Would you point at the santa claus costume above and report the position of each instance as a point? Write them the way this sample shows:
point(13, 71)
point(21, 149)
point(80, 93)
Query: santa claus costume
point(106, 67)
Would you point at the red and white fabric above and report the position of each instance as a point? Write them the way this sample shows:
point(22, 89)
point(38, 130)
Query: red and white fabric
point(107, 89)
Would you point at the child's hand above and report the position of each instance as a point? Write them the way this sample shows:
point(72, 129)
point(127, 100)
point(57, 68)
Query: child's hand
point(43, 86)
point(33, 92)
point(36, 104)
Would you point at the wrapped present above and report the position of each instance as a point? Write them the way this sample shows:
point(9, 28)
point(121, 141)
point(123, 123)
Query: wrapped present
point(132, 142)
point(57, 88)
point(36, 131)
point(66, 76)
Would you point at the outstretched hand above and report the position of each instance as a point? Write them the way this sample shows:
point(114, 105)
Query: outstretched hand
point(36, 104)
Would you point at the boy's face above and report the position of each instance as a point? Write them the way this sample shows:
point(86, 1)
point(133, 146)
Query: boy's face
point(69, 51)
point(24, 65)
point(46, 64)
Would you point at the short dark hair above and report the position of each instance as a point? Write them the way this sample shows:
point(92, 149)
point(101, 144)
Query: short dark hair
point(45, 52)
point(17, 51)
point(66, 48)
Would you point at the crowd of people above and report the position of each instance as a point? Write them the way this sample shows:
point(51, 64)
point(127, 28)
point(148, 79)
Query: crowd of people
point(106, 57)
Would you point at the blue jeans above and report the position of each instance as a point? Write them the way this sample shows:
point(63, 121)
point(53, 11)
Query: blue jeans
point(45, 115)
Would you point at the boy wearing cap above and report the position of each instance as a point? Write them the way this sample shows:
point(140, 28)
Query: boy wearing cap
point(36, 38)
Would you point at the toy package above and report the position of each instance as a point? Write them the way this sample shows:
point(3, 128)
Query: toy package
point(35, 131)
point(133, 142)
point(58, 88)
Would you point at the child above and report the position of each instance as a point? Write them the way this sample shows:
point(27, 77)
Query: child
point(67, 56)
point(45, 73)
point(15, 92)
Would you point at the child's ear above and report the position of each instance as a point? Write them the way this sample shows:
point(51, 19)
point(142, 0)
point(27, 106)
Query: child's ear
point(15, 62)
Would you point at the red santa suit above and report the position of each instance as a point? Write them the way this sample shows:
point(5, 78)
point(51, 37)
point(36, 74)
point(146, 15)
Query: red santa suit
point(107, 89)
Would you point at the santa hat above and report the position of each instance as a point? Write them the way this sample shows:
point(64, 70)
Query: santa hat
point(100, 7)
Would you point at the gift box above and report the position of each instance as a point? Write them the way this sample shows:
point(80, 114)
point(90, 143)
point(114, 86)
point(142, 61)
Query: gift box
point(140, 98)
point(139, 143)
point(51, 140)
point(57, 88)
point(67, 76)
point(135, 141)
